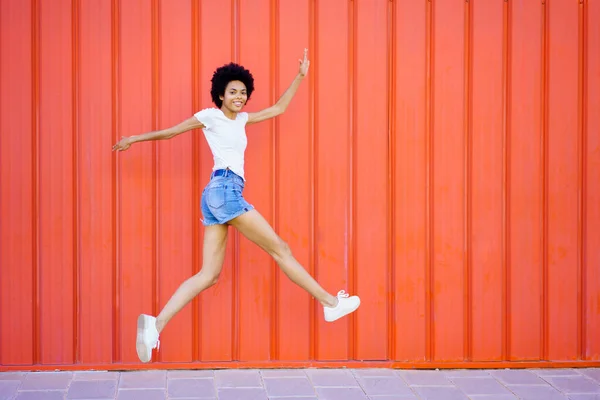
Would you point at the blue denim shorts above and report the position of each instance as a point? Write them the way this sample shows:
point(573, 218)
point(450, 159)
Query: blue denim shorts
point(222, 199)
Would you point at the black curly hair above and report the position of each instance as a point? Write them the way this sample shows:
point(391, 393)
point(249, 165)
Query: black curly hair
point(225, 74)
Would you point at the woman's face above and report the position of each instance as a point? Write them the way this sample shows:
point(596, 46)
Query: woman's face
point(235, 96)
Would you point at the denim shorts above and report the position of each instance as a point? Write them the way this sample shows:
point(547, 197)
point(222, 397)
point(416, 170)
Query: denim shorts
point(222, 198)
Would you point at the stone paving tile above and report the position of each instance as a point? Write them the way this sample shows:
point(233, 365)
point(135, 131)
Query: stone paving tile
point(469, 373)
point(377, 372)
point(247, 393)
point(439, 393)
point(138, 394)
point(293, 398)
point(574, 384)
point(556, 372)
point(143, 380)
point(483, 385)
point(393, 397)
point(537, 392)
point(46, 381)
point(186, 388)
point(425, 378)
point(517, 377)
point(593, 373)
point(305, 384)
point(94, 389)
point(384, 385)
point(198, 373)
point(332, 378)
point(8, 389)
point(342, 393)
point(95, 375)
point(282, 373)
point(238, 378)
point(298, 386)
point(41, 395)
point(12, 376)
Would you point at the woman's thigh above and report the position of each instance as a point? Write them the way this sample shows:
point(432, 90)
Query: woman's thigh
point(215, 244)
point(257, 229)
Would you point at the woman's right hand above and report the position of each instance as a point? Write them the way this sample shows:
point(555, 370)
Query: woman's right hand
point(123, 144)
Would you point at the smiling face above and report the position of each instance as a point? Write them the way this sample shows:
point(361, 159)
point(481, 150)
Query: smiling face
point(234, 98)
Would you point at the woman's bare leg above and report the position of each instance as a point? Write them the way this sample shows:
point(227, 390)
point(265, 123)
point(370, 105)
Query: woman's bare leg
point(213, 255)
point(149, 327)
point(254, 227)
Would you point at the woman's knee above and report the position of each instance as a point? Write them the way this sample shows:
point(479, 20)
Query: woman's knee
point(208, 277)
point(280, 249)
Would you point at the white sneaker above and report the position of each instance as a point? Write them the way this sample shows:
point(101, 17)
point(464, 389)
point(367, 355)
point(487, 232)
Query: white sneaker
point(345, 306)
point(147, 337)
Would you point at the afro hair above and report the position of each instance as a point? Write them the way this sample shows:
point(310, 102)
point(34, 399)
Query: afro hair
point(225, 74)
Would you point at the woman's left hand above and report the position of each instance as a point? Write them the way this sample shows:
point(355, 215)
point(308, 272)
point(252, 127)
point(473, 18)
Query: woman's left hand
point(304, 64)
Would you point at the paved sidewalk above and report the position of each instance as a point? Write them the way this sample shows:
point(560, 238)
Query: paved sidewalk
point(306, 384)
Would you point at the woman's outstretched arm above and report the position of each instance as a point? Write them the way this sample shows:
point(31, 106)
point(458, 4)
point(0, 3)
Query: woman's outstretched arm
point(168, 133)
point(283, 102)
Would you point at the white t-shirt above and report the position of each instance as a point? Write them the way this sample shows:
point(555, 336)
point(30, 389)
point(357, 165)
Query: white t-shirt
point(226, 138)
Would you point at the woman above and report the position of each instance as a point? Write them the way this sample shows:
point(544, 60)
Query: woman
point(223, 203)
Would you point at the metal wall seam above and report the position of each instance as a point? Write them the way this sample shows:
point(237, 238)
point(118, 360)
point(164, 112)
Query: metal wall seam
point(235, 343)
point(544, 159)
point(468, 194)
point(274, 128)
point(351, 210)
point(506, 273)
point(75, 7)
point(429, 251)
point(155, 125)
point(1, 249)
point(391, 188)
point(35, 49)
point(312, 174)
point(196, 246)
point(1, 180)
point(315, 183)
point(581, 186)
point(591, 178)
point(116, 181)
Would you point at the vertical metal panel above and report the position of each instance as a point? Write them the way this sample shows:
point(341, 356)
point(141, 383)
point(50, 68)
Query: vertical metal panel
point(17, 168)
point(441, 160)
point(525, 210)
point(370, 183)
point(333, 138)
point(256, 268)
point(294, 206)
point(56, 174)
point(136, 174)
point(486, 152)
point(562, 180)
point(448, 180)
point(591, 180)
point(94, 128)
point(175, 179)
point(218, 324)
point(410, 200)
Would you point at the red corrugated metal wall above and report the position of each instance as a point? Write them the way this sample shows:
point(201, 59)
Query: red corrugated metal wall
point(441, 160)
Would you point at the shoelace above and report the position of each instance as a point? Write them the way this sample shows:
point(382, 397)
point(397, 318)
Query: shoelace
point(342, 293)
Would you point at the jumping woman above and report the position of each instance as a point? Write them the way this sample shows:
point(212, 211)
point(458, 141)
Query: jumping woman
point(223, 203)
